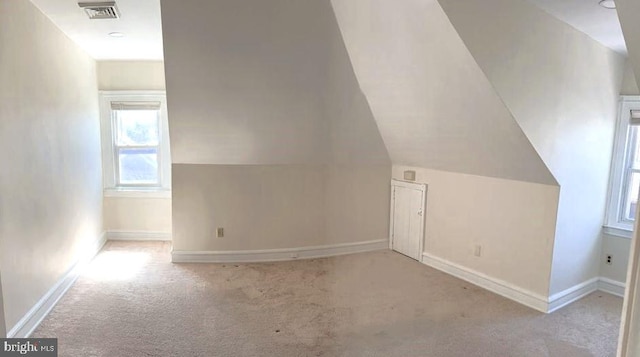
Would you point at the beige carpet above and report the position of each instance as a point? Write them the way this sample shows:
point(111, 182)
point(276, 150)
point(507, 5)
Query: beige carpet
point(134, 302)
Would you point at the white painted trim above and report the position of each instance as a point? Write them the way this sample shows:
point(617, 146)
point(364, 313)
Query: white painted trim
point(131, 193)
point(409, 185)
point(523, 296)
point(272, 255)
point(138, 235)
point(616, 189)
point(109, 165)
point(617, 232)
point(30, 321)
point(574, 293)
point(611, 286)
point(136, 93)
point(500, 287)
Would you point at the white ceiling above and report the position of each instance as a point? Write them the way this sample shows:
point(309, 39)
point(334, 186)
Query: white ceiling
point(140, 22)
point(587, 16)
point(142, 25)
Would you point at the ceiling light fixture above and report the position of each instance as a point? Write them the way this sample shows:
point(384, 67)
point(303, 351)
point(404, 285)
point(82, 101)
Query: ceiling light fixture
point(608, 4)
point(116, 34)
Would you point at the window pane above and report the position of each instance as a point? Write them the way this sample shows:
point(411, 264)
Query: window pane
point(634, 148)
point(631, 201)
point(138, 166)
point(136, 127)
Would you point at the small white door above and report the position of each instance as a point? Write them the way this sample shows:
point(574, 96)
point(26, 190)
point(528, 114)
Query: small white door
point(407, 218)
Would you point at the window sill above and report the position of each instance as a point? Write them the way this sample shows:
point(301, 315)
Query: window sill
point(618, 232)
point(137, 192)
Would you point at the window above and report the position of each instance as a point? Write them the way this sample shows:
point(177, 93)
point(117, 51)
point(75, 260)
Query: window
point(625, 169)
point(135, 143)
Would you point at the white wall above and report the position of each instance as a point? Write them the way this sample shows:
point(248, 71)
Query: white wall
point(277, 206)
point(562, 88)
point(432, 103)
point(130, 75)
point(134, 214)
point(137, 214)
point(618, 248)
point(51, 189)
point(513, 221)
point(271, 138)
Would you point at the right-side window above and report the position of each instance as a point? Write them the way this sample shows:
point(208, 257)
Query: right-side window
point(631, 180)
point(625, 168)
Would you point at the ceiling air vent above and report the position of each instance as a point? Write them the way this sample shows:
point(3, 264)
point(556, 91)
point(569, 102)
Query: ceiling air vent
point(100, 10)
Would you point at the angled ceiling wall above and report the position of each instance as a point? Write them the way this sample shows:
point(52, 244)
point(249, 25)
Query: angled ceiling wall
point(628, 11)
point(262, 82)
point(271, 137)
point(562, 88)
point(243, 88)
point(432, 103)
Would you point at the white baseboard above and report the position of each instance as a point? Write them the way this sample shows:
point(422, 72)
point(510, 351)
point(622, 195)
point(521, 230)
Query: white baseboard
point(517, 294)
point(272, 255)
point(503, 288)
point(30, 321)
point(138, 235)
point(579, 291)
point(611, 286)
point(574, 293)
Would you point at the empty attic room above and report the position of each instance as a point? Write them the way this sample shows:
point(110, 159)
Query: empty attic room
point(319, 178)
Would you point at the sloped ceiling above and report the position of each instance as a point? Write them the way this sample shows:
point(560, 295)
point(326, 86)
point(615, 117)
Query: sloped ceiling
point(587, 16)
point(263, 82)
point(629, 12)
point(562, 88)
point(555, 80)
point(432, 103)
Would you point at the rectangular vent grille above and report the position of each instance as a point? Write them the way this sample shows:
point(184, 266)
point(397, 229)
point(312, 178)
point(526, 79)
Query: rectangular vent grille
point(100, 10)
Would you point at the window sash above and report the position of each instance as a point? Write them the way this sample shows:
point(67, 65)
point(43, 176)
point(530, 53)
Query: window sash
point(630, 157)
point(626, 198)
point(118, 177)
point(116, 132)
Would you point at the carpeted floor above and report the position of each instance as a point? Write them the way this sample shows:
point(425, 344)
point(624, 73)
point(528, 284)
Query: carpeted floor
point(133, 302)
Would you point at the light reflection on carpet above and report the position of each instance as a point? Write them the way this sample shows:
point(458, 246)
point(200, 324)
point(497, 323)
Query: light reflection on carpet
point(116, 266)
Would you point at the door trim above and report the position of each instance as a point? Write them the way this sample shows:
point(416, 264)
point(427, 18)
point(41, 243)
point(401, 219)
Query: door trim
point(422, 187)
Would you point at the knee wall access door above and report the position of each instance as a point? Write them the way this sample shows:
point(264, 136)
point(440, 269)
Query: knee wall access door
point(407, 218)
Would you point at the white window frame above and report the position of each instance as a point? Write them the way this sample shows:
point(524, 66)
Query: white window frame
point(615, 224)
point(109, 164)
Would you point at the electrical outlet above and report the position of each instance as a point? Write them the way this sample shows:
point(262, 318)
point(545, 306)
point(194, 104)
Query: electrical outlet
point(609, 259)
point(219, 232)
point(477, 251)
